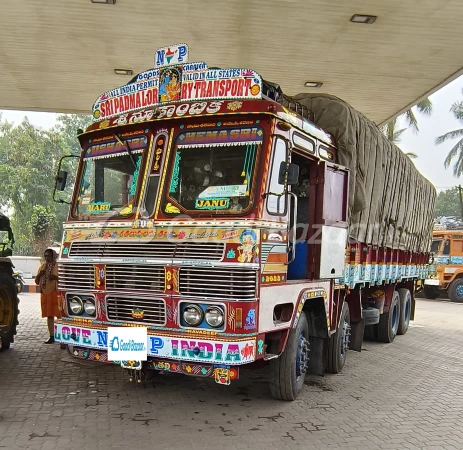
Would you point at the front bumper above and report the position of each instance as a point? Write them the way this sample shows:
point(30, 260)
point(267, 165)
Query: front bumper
point(166, 347)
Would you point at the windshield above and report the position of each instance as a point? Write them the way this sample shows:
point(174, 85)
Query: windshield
point(109, 178)
point(213, 171)
point(435, 246)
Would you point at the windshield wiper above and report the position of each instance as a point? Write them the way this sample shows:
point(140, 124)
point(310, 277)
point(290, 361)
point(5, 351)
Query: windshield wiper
point(126, 146)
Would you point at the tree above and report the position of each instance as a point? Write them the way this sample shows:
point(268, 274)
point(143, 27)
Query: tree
point(457, 150)
point(448, 203)
point(423, 107)
point(42, 226)
point(29, 159)
point(394, 135)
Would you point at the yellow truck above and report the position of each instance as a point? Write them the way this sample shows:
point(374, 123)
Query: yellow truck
point(447, 250)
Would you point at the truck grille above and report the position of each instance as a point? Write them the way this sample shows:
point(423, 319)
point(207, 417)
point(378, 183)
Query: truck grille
point(134, 277)
point(232, 284)
point(120, 309)
point(211, 251)
point(76, 276)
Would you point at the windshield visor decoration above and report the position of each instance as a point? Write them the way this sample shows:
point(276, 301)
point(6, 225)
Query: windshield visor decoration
point(213, 171)
point(109, 179)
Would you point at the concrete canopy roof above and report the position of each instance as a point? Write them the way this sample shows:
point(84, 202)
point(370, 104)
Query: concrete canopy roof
point(60, 55)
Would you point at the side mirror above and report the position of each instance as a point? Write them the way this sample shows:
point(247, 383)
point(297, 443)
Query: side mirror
point(60, 180)
point(288, 174)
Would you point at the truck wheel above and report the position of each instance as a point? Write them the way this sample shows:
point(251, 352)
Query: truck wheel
point(389, 321)
point(287, 373)
point(405, 310)
point(339, 343)
point(455, 291)
point(8, 310)
point(431, 292)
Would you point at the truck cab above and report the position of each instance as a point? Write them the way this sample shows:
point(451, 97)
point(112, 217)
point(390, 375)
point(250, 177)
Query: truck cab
point(447, 278)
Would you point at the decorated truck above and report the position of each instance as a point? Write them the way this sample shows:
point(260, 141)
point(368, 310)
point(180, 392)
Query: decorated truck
point(447, 259)
point(8, 294)
point(238, 226)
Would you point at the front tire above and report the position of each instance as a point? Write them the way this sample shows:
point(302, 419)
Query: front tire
point(339, 343)
point(431, 292)
point(8, 310)
point(455, 291)
point(405, 310)
point(19, 286)
point(287, 373)
point(389, 321)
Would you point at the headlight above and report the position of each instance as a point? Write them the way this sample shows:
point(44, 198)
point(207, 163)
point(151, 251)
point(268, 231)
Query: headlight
point(90, 307)
point(76, 305)
point(214, 316)
point(193, 315)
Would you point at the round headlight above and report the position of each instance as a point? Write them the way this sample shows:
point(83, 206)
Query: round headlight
point(214, 316)
point(193, 315)
point(76, 305)
point(90, 307)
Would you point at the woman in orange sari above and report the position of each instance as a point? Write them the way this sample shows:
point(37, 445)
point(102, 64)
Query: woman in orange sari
point(47, 279)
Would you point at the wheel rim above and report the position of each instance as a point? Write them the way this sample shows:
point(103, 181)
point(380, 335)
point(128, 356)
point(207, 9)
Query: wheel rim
point(459, 291)
point(6, 308)
point(301, 356)
point(395, 317)
point(345, 338)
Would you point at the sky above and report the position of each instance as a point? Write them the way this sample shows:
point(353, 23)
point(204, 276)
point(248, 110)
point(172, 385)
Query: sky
point(430, 161)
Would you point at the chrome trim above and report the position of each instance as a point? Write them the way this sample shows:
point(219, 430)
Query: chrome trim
point(220, 283)
point(158, 308)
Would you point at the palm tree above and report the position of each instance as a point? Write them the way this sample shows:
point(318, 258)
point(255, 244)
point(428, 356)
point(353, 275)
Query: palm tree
point(394, 135)
point(457, 149)
point(424, 107)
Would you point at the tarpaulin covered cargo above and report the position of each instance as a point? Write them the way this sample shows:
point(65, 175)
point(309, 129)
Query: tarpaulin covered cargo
point(391, 204)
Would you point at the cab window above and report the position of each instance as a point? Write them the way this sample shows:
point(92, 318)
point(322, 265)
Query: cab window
point(276, 201)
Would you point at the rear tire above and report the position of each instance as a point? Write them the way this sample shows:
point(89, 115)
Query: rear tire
point(405, 310)
point(8, 309)
point(339, 343)
point(431, 292)
point(455, 291)
point(287, 373)
point(389, 321)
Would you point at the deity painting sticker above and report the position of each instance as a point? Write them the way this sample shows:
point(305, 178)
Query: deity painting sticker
point(170, 84)
point(248, 241)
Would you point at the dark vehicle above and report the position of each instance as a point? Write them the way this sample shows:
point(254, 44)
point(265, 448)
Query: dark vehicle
point(18, 281)
point(8, 294)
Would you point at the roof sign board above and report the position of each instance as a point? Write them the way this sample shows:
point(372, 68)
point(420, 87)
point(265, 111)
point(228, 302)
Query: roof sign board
point(179, 82)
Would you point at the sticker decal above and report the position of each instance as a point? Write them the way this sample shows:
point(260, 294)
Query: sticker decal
point(175, 79)
point(186, 349)
point(248, 240)
point(212, 203)
point(98, 208)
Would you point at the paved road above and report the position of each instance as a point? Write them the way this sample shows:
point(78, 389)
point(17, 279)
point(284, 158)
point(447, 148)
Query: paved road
point(405, 395)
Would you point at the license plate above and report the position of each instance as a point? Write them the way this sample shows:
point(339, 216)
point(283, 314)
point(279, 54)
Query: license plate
point(431, 282)
point(134, 365)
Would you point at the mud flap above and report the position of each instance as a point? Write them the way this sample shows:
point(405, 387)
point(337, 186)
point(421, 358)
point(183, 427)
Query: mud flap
point(412, 313)
point(317, 355)
point(356, 335)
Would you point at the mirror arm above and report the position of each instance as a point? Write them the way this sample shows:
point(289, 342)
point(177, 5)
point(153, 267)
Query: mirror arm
point(56, 178)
